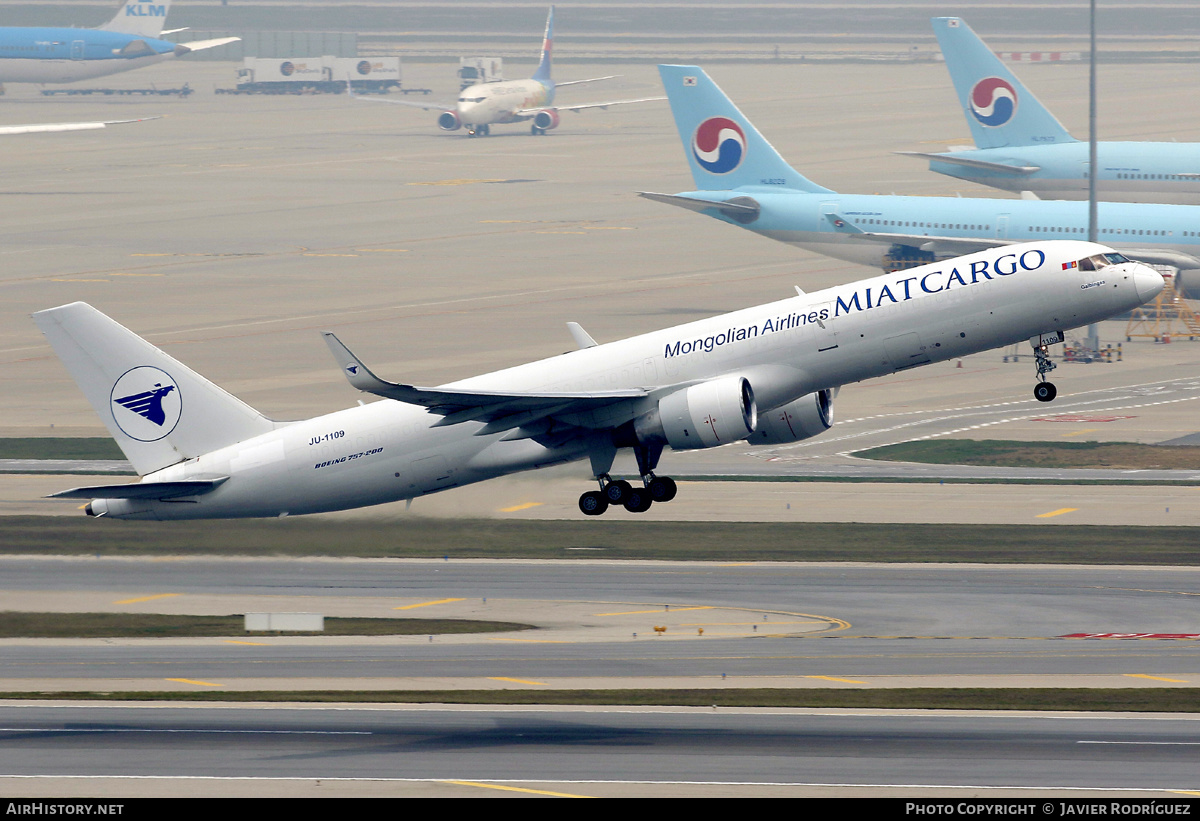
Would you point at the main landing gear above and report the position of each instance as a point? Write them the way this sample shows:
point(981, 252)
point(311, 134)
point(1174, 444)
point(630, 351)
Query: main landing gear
point(619, 492)
point(1045, 391)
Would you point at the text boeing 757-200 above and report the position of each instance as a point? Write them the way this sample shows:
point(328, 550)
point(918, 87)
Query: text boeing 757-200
point(742, 180)
point(766, 374)
point(509, 101)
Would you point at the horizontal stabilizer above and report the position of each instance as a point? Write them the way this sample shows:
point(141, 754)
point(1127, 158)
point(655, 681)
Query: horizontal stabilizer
point(981, 165)
point(143, 490)
point(740, 208)
point(582, 338)
point(529, 112)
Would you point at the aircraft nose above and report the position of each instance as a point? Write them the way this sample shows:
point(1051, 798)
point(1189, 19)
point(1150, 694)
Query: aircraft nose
point(1147, 282)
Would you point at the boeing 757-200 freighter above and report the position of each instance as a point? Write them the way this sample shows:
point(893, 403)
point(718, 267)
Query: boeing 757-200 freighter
point(510, 101)
point(743, 181)
point(1021, 146)
point(63, 55)
point(767, 375)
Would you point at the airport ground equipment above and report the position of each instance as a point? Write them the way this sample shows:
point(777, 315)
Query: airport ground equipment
point(319, 75)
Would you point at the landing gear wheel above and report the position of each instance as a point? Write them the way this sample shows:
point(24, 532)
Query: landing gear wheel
point(662, 488)
point(617, 492)
point(638, 500)
point(1045, 392)
point(485, 130)
point(535, 131)
point(471, 132)
point(593, 503)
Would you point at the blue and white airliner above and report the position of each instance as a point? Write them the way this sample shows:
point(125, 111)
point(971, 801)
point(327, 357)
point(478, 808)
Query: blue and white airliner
point(1021, 146)
point(64, 55)
point(481, 106)
point(743, 181)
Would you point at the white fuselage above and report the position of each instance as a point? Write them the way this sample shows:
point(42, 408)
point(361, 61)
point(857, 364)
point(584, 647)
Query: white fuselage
point(387, 451)
point(501, 102)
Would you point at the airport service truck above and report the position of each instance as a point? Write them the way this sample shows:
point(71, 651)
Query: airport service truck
point(318, 75)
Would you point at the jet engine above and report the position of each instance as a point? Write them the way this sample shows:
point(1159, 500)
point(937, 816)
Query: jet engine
point(448, 121)
point(800, 419)
point(712, 413)
point(545, 119)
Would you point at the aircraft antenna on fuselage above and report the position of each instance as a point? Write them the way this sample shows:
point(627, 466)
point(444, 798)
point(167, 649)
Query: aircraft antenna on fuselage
point(543, 69)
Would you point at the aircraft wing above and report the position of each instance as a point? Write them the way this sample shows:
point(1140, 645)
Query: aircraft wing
point(143, 490)
point(39, 128)
point(581, 82)
point(201, 45)
point(529, 112)
point(428, 106)
point(501, 410)
point(982, 165)
point(926, 242)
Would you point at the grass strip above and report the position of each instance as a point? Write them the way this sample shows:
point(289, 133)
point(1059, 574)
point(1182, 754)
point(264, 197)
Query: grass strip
point(153, 625)
point(611, 538)
point(1166, 699)
point(1001, 453)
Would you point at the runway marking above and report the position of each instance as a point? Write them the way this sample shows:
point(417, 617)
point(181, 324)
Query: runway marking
point(148, 598)
point(251, 643)
point(382, 250)
point(643, 612)
point(832, 678)
point(524, 506)
point(80, 280)
point(1157, 678)
point(519, 681)
point(1080, 432)
point(516, 789)
point(193, 681)
point(1058, 512)
point(311, 254)
point(744, 623)
point(426, 604)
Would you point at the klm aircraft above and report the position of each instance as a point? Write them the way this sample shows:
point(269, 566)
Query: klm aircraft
point(480, 106)
point(743, 181)
point(63, 55)
point(1020, 146)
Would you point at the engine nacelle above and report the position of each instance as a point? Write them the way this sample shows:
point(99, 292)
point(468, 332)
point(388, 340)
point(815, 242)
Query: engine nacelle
point(545, 119)
point(448, 121)
point(703, 416)
point(800, 419)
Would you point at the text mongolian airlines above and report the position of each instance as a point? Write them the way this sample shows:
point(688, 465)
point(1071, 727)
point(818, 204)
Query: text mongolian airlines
point(766, 374)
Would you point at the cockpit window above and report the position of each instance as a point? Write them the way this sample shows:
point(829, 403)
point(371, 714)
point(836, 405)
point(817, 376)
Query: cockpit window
point(1095, 263)
point(471, 99)
point(1116, 259)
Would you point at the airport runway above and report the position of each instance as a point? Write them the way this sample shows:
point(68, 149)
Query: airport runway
point(269, 750)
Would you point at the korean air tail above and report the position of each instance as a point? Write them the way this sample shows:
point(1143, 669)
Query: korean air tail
point(725, 151)
point(999, 109)
point(159, 411)
point(543, 69)
point(144, 18)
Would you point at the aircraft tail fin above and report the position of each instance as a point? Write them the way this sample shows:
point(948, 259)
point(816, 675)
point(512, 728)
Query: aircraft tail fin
point(145, 18)
point(723, 148)
point(158, 410)
point(999, 109)
point(543, 69)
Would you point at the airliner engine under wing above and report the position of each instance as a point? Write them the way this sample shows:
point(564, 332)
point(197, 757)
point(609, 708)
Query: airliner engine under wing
point(766, 375)
point(1020, 146)
point(63, 55)
point(743, 181)
point(510, 101)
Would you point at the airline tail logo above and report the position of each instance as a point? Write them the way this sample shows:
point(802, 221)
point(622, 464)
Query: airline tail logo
point(719, 145)
point(993, 101)
point(146, 403)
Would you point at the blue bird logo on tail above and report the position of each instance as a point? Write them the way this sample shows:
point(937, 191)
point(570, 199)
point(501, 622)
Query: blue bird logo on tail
point(146, 403)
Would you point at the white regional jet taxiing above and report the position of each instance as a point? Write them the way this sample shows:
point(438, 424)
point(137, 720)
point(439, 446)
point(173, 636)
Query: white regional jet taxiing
point(767, 375)
point(508, 101)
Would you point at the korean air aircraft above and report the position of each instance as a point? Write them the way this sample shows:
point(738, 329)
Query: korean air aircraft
point(767, 375)
point(510, 101)
point(64, 55)
point(1020, 146)
point(743, 181)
